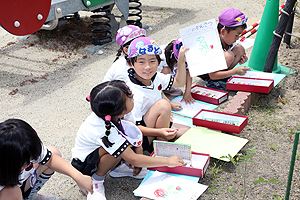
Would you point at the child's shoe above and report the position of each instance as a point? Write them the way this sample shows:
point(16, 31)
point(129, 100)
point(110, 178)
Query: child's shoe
point(125, 170)
point(214, 85)
point(173, 91)
point(37, 196)
point(98, 191)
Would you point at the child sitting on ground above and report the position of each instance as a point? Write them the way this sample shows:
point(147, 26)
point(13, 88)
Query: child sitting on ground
point(151, 113)
point(125, 35)
point(169, 66)
point(103, 138)
point(231, 24)
point(26, 164)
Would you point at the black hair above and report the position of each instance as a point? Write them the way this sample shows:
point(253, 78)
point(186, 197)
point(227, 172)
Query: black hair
point(132, 60)
point(109, 98)
point(19, 144)
point(220, 26)
point(169, 54)
point(121, 50)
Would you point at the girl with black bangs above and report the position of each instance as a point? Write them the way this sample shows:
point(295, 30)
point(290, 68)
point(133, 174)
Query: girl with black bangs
point(26, 164)
point(103, 138)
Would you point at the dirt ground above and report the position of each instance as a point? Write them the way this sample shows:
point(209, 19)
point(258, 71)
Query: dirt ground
point(45, 79)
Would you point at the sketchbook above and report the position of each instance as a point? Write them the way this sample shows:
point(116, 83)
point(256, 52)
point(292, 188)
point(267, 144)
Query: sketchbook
point(205, 54)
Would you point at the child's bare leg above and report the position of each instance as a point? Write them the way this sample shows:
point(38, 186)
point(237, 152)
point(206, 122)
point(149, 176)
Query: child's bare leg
point(158, 116)
point(106, 162)
point(181, 130)
point(11, 193)
point(238, 52)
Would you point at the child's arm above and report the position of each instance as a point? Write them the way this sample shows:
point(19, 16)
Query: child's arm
point(141, 160)
point(60, 165)
point(137, 170)
point(225, 74)
point(187, 96)
point(166, 133)
point(180, 77)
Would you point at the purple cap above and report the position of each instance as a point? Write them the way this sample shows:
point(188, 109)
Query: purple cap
point(128, 33)
point(176, 47)
point(143, 45)
point(231, 17)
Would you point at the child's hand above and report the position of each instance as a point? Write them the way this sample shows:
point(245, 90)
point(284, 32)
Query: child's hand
point(136, 170)
point(187, 97)
point(85, 183)
point(168, 133)
point(176, 106)
point(181, 55)
point(175, 161)
point(241, 70)
point(244, 58)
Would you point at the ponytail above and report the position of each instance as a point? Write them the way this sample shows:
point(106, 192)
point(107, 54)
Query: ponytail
point(119, 52)
point(108, 100)
point(169, 54)
point(105, 139)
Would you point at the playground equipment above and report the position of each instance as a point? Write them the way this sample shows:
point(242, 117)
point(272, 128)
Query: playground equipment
point(24, 17)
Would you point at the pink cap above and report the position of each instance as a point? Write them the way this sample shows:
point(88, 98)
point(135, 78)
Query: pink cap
point(176, 47)
point(128, 33)
point(143, 45)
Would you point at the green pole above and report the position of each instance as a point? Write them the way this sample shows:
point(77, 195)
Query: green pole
point(264, 36)
point(289, 183)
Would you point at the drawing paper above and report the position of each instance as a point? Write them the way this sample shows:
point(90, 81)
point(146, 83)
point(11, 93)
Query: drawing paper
point(217, 144)
point(190, 110)
point(165, 186)
point(205, 54)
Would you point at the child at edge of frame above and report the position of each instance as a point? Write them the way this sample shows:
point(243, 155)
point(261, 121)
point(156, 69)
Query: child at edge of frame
point(231, 24)
point(104, 137)
point(29, 164)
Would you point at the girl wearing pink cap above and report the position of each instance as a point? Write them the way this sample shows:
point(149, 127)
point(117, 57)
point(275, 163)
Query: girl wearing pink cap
point(170, 67)
point(151, 113)
point(125, 35)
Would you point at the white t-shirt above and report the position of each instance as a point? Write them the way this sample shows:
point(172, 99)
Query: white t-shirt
point(42, 159)
point(117, 71)
point(93, 129)
point(146, 96)
point(163, 62)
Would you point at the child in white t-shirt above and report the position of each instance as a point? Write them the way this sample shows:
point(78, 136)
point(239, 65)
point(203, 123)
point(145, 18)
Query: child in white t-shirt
point(26, 164)
point(169, 66)
point(151, 112)
point(125, 35)
point(103, 138)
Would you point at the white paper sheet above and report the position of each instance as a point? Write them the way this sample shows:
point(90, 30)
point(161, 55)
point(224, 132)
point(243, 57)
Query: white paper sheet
point(164, 186)
point(205, 54)
point(190, 110)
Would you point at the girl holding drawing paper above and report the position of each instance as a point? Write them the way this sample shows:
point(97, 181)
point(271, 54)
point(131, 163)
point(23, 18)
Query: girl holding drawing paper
point(170, 67)
point(231, 24)
point(103, 138)
point(151, 113)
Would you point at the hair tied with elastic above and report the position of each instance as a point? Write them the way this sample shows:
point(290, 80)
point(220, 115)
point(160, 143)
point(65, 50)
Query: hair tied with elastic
point(108, 117)
point(105, 139)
